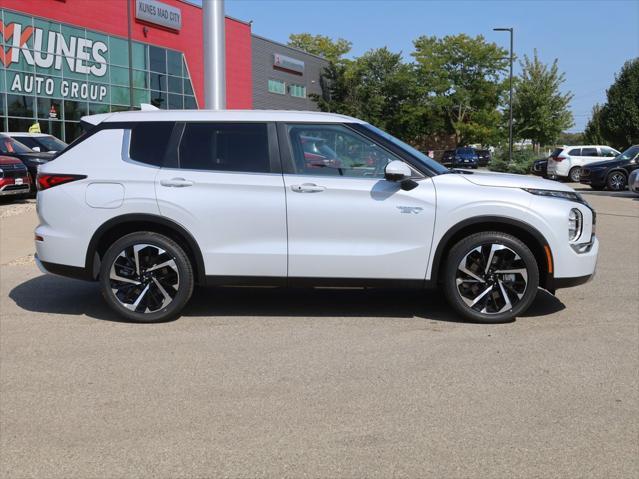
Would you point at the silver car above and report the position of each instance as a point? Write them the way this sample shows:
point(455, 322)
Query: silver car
point(633, 181)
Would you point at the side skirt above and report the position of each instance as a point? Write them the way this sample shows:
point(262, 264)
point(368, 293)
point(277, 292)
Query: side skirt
point(297, 282)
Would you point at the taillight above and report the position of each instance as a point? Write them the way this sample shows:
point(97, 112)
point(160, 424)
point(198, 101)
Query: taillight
point(559, 158)
point(46, 181)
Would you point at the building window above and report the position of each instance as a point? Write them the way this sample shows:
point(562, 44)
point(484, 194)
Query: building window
point(28, 91)
point(277, 86)
point(298, 91)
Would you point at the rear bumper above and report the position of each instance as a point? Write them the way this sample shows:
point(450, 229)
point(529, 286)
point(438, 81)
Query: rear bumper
point(7, 189)
point(63, 270)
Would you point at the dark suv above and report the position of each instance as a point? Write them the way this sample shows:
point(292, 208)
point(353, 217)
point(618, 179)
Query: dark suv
point(466, 158)
point(484, 157)
point(611, 174)
point(31, 159)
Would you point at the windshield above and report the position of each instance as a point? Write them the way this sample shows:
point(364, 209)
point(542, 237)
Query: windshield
point(630, 153)
point(429, 162)
point(466, 151)
point(9, 145)
point(50, 143)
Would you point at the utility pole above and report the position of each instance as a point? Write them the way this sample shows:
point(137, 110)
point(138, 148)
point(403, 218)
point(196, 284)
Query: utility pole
point(214, 54)
point(510, 101)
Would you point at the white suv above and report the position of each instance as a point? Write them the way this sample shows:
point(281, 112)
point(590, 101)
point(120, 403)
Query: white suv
point(151, 204)
point(566, 162)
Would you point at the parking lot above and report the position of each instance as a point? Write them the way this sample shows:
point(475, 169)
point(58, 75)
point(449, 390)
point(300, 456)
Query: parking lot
point(255, 383)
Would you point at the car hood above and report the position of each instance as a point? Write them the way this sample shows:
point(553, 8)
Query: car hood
point(606, 163)
point(506, 180)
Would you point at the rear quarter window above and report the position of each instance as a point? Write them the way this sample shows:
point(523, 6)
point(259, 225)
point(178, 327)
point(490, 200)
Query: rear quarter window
point(575, 152)
point(149, 142)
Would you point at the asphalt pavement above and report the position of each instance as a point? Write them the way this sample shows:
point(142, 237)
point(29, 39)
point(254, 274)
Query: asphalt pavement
point(340, 384)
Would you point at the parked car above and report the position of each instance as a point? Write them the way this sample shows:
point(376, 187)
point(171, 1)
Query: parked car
point(151, 203)
point(447, 157)
point(14, 177)
point(39, 142)
point(483, 157)
point(465, 158)
point(540, 167)
point(611, 174)
point(566, 162)
point(31, 159)
point(633, 181)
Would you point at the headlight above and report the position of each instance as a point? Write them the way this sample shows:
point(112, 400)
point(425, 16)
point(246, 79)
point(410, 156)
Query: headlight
point(565, 195)
point(575, 224)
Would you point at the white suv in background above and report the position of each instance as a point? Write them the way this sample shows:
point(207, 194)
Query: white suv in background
point(152, 203)
point(566, 162)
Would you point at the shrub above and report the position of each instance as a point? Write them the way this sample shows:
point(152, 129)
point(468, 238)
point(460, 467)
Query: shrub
point(521, 164)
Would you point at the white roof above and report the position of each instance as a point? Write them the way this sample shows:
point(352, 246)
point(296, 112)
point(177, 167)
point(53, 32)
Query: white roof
point(24, 133)
point(221, 115)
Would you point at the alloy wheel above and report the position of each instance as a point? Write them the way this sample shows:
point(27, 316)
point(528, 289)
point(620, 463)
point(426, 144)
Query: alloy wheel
point(144, 278)
point(491, 278)
point(617, 181)
point(575, 175)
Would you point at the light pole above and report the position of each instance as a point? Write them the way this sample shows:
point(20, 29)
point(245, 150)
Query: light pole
point(510, 101)
point(214, 54)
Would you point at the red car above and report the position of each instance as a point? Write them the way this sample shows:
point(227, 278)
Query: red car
point(14, 177)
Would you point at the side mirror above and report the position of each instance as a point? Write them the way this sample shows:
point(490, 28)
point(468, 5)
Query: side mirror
point(397, 171)
point(36, 148)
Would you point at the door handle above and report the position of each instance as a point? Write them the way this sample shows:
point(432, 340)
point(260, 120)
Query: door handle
point(308, 188)
point(176, 183)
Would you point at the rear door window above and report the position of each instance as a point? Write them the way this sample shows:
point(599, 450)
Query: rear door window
point(239, 147)
point(589, 152)
point(149, 142)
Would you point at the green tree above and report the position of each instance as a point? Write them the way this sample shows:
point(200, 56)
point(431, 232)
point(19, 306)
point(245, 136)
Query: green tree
point(461, 78)
point(540, 111)
point(332, 50)
point(593, 133)
point(620, 114)
point(377, 87)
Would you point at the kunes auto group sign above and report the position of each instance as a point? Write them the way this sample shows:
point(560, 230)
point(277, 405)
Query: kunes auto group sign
point(51, 50)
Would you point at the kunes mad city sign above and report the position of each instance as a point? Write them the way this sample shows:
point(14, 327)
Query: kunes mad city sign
point(80, 55)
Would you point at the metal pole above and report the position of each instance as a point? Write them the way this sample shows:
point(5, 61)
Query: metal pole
point(214, 54)
point(510, 120)
point(510, 101)
point(129, 26)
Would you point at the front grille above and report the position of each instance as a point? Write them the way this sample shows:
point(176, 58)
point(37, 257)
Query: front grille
point(584, 172)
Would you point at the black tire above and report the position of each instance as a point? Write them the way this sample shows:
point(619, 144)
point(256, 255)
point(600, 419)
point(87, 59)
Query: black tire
point(574, 174)
point(616, 181)
point(161, 292)
point(489, 307)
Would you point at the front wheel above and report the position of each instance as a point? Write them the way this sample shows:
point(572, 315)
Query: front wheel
point(616, 181)
point(490, 277)
point(146, 277)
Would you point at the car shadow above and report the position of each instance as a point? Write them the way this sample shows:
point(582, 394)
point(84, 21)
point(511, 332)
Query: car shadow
point(56, 295)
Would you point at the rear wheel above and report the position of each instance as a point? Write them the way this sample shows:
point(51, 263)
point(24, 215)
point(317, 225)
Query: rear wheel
point(575, 174)
point(616, 181)
point(490, 277)
point(146, 277)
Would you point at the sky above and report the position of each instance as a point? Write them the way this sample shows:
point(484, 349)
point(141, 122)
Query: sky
point(590, 38)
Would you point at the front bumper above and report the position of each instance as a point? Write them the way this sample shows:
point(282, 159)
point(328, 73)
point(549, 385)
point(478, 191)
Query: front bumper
point(593, 177)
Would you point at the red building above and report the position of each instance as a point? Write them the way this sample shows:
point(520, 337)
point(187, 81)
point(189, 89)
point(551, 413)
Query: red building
point(63, 59)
